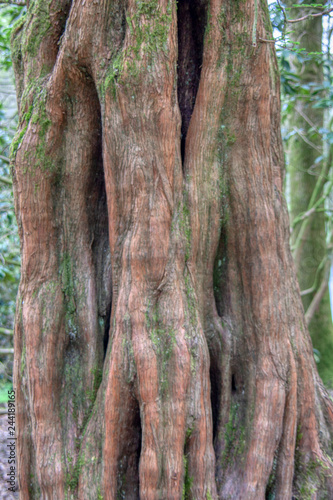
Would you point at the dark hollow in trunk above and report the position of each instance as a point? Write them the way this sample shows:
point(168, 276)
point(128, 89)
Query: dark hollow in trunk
point(191, 24)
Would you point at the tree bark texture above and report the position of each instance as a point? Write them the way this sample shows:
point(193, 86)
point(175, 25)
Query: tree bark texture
point(160, 344)
point(307, 178)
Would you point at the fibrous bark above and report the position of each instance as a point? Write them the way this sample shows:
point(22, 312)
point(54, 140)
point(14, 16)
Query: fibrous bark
point(149, 145)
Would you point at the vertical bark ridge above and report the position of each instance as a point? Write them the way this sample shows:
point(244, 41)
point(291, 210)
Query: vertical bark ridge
point(35, 42)
point(58, 296)
point(37, 284)
point(202, 170)
point(269, 390)
point(144, 224)
point(83, 355)
point(284, 466)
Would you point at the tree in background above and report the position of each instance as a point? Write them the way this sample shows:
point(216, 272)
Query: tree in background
point(160, 342)
point(309, 177)
point(9, 241)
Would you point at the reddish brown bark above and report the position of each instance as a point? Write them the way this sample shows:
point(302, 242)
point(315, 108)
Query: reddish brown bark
point(172, 179)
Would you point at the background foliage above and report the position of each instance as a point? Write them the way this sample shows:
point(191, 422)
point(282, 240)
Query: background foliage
point(9, 241)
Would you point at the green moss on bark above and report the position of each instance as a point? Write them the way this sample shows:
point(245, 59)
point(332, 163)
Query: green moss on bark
point(38, 24)
point(148, 28)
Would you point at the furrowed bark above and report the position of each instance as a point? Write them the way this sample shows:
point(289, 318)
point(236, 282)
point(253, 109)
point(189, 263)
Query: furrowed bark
point(171, 177)
point(265, 317)
point(59, 349)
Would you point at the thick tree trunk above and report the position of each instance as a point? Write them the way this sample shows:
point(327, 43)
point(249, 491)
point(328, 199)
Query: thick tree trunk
point(149, 144)
point(307, 178)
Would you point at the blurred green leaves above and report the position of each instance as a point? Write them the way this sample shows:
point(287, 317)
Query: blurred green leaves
point(9, 240)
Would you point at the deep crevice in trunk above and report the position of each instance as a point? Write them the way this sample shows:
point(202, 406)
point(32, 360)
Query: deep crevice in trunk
point(101, 253)
point(107, 329)
point(233, 384)
point(128, 465)
point(192, 18)
point(99, 222)
point(220, 272)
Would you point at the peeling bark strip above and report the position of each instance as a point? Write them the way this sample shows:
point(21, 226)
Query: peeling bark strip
point(149, 144)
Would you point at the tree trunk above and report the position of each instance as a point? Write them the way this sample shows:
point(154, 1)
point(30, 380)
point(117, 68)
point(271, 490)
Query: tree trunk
point(307, 178)
point(149, 144)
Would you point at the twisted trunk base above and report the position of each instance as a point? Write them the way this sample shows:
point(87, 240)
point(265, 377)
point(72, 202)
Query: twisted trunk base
point(188, 373)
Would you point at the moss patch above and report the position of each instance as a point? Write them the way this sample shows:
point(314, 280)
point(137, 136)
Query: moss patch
point(38, 24)
point(73, 472)
point(234, 436)
point(188, 481)
point(67, 285)
point(163, 339)
point(148, 29)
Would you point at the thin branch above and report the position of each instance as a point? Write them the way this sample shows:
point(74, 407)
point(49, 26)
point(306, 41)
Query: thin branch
point(9, 233)
point(307, 119)
point(6, 180)
point(266, 41)
point(8, 350)
point(315, 283)
point(304, 229)
point(303, 216)
point(307, 291)
point(283, 11)
point(5, 159)
point(313, 307)
point(12, 262)
point(6, 331)
point(324, 13)
point(328, 210)
point(310, 143)
point(286, 20)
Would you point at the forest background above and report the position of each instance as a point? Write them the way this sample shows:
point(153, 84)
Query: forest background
point(303, 36)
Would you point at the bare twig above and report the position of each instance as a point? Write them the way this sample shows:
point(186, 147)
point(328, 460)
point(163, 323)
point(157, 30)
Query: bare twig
point(308, 213)
point(266, 41)
point(304, 229)
point(324, 13)
point(313, 307)
point(307, 119)
point(5, 159)
point(12, 262)
point(6, 180)
point(283, 11)
point(315, 283)
point(286, 20)
point(307, 291)
point(6, 331)
point(303, 216)
point(302, 136)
